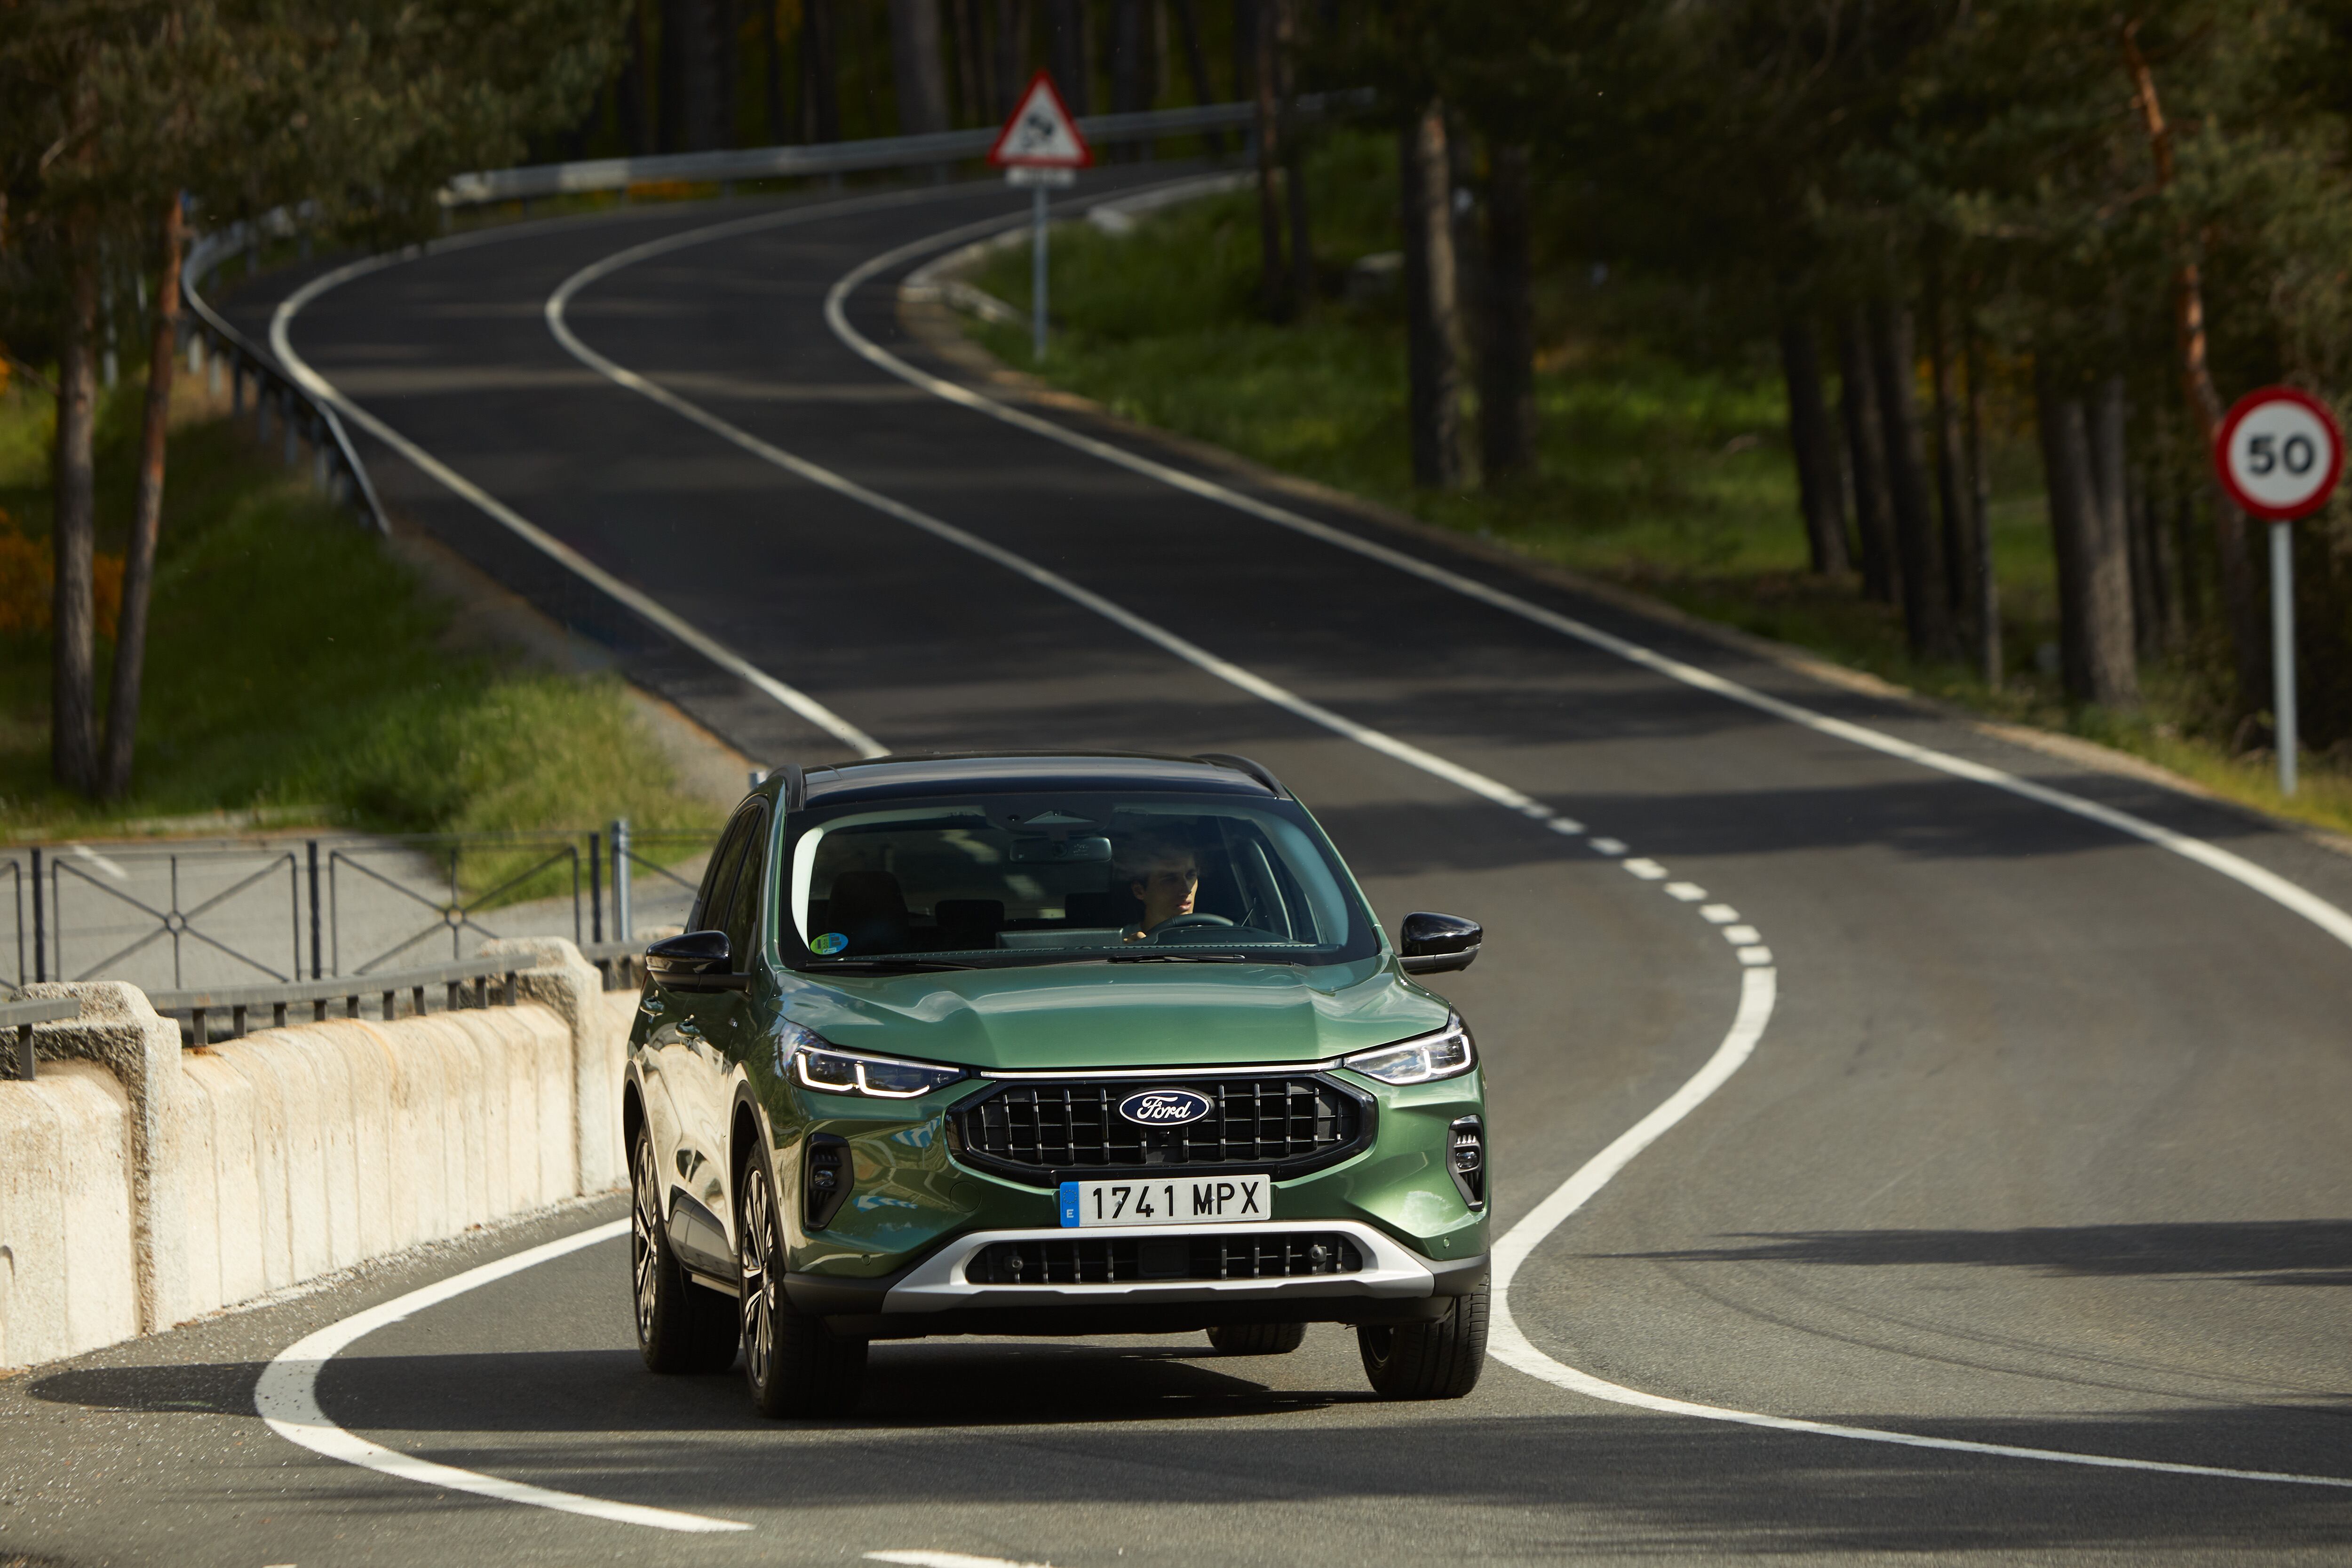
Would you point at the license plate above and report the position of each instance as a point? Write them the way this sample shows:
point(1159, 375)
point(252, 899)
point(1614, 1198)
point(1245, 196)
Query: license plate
point(1167, 1200)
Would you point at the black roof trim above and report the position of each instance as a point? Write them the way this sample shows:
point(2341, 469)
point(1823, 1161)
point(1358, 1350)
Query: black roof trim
point(917, 773)
point(1257, 770)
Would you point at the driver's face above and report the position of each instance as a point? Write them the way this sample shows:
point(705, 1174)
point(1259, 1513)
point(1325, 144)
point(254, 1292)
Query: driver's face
point(1168, 892)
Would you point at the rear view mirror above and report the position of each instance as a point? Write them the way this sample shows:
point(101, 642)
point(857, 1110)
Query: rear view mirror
point(680, 957)
point(1435, 943)
point(1061, 852)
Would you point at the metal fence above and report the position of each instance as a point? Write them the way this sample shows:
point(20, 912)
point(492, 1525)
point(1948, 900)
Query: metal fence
point(170, 917)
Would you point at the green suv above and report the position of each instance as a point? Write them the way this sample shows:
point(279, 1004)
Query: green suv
point(1048, 1044)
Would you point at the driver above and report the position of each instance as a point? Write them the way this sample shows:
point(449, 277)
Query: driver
point(1165, 876)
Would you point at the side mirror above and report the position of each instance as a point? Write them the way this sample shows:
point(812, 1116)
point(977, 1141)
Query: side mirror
point(684, 960)
point(1435, 943)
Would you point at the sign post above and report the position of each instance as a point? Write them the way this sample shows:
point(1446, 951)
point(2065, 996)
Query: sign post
point(1040, 146)
point(2279, 455)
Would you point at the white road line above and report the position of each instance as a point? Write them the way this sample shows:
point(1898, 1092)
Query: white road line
point(1758, 980)
point(635, 599)
point(948, 1559)
point(2270, 884)
point(287, 1398)
point(1118, 615)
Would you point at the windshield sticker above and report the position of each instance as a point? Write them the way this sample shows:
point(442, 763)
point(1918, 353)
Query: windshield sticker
point(829, 944)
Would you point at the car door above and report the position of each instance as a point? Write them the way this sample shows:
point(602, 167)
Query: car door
point(688, 1042)
point(730, 1017)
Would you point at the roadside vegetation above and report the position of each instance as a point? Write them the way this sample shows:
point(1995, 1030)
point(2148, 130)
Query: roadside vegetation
point(296, 671)
point(1662, 457)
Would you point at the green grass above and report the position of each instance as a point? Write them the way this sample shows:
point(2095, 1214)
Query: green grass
point(296, 667)
point(1662, 462)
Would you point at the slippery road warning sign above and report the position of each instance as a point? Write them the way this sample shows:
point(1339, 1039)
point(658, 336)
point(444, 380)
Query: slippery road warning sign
point(1040, 146)
point(1041, 134)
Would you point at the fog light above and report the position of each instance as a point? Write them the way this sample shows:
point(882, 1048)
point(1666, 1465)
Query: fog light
point(825, 1183)
point(1467, 1138)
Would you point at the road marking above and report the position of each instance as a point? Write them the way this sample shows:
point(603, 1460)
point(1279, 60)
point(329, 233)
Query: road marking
point(287, 1398)
point(1758, 983)
point(1191, 652)
point(637, 600)
point(84, 853)
point(948, 1559)
point(2269, 883)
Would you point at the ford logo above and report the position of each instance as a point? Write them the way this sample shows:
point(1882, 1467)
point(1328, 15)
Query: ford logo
point(1164, 1107)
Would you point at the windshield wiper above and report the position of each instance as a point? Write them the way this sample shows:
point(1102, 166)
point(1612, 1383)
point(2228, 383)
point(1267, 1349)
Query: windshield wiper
point(1178, 959)
point(889, 965)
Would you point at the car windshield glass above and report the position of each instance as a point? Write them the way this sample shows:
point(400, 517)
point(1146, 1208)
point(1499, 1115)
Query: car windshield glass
point(1000, 880)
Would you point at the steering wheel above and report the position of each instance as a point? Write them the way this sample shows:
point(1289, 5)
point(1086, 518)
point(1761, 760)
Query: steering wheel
point(1197, 917)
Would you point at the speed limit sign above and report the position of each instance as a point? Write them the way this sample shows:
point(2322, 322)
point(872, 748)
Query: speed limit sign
point(2278, 454)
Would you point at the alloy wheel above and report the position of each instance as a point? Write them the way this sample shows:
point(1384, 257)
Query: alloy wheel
point(645, 1248)
point(758, 1245)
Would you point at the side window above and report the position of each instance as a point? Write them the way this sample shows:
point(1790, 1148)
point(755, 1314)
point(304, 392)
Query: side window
point(718, 879)
point(742, 920)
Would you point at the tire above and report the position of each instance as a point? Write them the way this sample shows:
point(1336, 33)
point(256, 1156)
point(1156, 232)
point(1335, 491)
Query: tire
point(1439, 1360)
point(1257, 1339)
point(795, 1365)
point(682, 1327)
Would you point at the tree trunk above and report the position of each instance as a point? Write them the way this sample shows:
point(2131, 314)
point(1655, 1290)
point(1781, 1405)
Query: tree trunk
point(2147, 585)
point(146, 518)
point(1132, 66)
point(2107, 578)
point(771, 35)
point(1984, 598)
point(1506, 394)
point(915, 70)
point(820, 72)
point(1821, 480)
point(1433, 300)
point(2094, 576)
point(1926, 607)
point(1196, 69)
point(632, 99)
point(1065, 53)
point(1951, 480)
point(1267, 82)
point(1293, 153)
point(1011, 54)
point(73, 749)
point(2240, 602)
point(970, 75)
point(699, 74)
point(1866, 454)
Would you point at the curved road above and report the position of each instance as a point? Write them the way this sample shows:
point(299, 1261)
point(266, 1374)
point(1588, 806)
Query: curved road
point(2041, 1146)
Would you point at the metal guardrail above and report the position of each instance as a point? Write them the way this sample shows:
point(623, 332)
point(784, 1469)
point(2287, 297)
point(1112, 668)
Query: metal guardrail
point(282, 909)
point(18, 1019)
point(239, 1001)
point(805, 159)
point(299, 413)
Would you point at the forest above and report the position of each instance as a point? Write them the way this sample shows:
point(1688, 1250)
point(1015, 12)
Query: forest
point(1932, 218)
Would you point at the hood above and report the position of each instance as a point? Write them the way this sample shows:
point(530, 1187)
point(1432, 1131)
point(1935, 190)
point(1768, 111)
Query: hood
point(1095, 1016)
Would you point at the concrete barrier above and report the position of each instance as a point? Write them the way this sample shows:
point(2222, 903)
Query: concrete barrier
point(141, 1185)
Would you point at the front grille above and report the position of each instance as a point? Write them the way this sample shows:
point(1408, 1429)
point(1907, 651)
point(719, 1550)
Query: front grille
point(1284, 1124)
point(1116, 1261)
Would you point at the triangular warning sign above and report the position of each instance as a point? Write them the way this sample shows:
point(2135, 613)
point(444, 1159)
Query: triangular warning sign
point(1041, 134)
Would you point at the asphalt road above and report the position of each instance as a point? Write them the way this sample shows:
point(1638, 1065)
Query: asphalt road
point(2043, 1144)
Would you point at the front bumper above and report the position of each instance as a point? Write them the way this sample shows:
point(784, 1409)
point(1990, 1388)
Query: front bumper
point(937, 1296)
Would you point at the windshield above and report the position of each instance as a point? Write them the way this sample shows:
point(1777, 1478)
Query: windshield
point(1003, 880)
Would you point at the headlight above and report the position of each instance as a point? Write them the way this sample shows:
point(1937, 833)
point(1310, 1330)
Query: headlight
point(1448, 1053)
point(814, 1063)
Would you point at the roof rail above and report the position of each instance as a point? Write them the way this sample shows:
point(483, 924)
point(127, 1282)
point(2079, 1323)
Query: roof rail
point(1257, 770)
point(796, 791)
